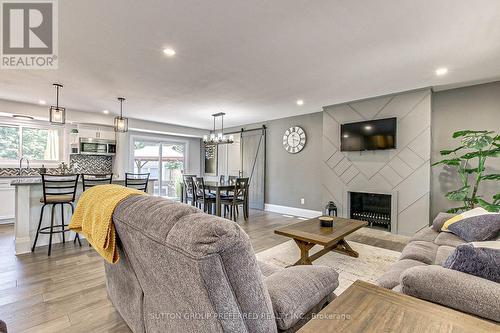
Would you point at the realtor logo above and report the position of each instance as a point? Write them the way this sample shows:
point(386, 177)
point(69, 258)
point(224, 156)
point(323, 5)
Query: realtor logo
point(29, 34)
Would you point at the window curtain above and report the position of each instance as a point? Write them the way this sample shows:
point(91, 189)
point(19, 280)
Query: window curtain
point(52, 147)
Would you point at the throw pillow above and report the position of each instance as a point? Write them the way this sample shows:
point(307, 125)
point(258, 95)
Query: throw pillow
point(470, 213)
point(481, 259)
point(478, 228)
point(440, 219)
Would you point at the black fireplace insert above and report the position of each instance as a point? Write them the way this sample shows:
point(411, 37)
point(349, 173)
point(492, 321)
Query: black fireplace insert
point(371, 207)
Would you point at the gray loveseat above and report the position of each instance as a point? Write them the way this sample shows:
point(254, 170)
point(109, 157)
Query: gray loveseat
point(419, 273)
point(182, 270)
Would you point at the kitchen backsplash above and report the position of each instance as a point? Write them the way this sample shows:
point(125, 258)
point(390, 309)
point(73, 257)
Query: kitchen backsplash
point(92, 164)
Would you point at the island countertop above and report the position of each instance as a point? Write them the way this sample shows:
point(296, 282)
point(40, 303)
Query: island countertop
point(34, 180)
point(28, 191)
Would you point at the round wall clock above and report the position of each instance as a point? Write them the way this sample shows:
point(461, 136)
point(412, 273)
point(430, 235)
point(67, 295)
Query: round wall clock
point(294, 139)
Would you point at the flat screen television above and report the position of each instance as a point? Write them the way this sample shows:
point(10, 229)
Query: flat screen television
point(368, 135)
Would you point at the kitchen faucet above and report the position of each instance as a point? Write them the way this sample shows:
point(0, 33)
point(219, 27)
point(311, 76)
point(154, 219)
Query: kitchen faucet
point(21, 165)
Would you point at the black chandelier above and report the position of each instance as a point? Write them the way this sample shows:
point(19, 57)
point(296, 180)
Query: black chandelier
point(218, 138)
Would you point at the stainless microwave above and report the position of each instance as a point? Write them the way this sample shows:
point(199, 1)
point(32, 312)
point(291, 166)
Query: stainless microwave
point(91, 146)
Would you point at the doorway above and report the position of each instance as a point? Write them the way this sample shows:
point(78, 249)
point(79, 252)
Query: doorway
point(164, 161)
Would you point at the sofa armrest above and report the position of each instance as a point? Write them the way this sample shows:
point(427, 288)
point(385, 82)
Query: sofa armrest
point(296, 290)
point(454, 289)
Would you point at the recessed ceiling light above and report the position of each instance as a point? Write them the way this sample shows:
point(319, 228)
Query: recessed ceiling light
point(169, 52)
point(300, 102)
point(441, 71)
point(368, 127)
point(105, 111)
point(42, 102)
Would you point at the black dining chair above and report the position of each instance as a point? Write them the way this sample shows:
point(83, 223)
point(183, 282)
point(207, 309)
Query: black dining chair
point(237, 197)
point(203, 197)
point(57, 190)
point(91, 180)
point(139, 181)
point(189, 192)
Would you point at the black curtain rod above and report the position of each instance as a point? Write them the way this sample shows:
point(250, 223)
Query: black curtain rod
point(249, 130)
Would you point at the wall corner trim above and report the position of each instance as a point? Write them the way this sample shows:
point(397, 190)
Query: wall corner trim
point(300, 212)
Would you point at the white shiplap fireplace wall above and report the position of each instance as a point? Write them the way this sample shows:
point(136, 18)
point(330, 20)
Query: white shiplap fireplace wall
point(405, 170)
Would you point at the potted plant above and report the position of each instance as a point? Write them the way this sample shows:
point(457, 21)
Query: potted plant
point(469, 160)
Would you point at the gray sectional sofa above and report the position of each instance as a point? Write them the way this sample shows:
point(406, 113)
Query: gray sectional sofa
point(181, 270)
point(419, 273)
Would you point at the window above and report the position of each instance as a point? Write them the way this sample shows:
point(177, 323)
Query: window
point(164, 161)
point(35, 143)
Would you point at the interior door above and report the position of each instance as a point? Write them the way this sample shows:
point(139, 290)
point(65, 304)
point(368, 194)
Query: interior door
point(253, 162)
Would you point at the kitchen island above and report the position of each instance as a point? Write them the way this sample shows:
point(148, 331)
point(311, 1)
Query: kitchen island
point(28, 192)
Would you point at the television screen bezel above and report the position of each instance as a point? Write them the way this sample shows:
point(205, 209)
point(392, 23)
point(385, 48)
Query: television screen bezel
point(342, 149)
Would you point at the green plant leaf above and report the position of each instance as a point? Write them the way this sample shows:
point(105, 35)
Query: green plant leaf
point(456, 210)
point(484, 153)
point(494, 176)
point(453, 161)
point(496, 196)
point(497, 138)
point(473, 170)
point(467, 132)
point(478, 142)
point(490, 207)
point(458, 195)
point(449, 151)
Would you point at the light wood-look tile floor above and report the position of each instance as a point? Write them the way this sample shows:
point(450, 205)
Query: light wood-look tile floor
point(67, 293)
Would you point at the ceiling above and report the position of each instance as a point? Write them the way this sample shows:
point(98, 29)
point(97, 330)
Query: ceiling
point(253, 59)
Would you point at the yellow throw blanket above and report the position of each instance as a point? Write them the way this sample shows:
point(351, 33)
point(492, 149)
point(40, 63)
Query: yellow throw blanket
point(93, 217)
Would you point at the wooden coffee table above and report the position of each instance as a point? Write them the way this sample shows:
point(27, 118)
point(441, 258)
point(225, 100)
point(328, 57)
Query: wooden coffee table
point(308, 233)
point(365, 307)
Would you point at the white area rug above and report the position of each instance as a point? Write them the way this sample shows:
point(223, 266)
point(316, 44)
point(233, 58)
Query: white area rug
point(372, 262)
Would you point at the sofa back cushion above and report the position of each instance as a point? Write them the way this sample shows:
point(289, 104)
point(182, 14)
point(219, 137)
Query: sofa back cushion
point(197, 272)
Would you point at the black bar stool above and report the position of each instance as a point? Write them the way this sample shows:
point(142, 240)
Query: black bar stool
point(91, 180)
point(139, 181)
point(57, 190)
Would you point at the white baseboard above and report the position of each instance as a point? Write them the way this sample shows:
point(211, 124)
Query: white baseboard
point(292, 211)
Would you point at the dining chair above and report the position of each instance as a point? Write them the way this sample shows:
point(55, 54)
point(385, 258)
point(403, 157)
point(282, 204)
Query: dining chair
point(203, 197)
point(91, 180)
point(189, 192)
point(232, 180)
point(222, 179)
point(139, 181)
point(57, 190)
point(239, 196)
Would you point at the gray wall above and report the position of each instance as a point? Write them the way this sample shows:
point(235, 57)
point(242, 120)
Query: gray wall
point(290, 177)
point(475, 108)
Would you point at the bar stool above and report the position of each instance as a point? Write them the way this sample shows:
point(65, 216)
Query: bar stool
point(139, 181)
point(91, 180)
point(57, 190)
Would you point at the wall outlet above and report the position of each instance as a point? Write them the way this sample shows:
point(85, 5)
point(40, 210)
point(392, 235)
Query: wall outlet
point(302, 201)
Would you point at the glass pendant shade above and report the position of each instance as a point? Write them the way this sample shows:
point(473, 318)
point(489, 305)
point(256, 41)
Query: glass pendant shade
point(57, 115)
point(121, 124)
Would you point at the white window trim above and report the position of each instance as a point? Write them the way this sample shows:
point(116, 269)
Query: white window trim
point(9, 163)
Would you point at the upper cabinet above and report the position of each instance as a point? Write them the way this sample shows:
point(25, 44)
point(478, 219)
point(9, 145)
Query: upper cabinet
point(97, 133)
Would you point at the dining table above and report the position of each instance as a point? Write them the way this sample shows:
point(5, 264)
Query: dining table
point(218, 188)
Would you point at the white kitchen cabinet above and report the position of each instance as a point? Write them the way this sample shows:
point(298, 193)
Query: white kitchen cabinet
point(7, 200)
point(97, 133)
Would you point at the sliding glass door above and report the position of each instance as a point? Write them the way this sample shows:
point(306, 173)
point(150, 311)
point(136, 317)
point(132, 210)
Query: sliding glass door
point(164, 161)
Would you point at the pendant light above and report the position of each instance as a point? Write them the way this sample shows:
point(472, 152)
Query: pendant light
point(218, 138)
point(121, 123)
point(57, 114)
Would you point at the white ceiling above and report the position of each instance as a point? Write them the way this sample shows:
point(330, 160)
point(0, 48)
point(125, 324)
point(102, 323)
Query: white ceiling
point(254, 58)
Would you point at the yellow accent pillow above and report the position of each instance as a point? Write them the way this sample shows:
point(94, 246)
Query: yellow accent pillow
point(470, 213)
